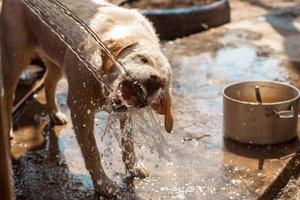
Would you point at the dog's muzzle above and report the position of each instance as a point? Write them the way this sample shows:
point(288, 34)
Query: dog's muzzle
point(136, 94)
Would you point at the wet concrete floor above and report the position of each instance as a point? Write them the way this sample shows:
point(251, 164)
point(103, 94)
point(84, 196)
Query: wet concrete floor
point(49, 164)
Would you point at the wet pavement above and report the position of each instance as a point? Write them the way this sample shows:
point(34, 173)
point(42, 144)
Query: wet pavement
point(49, 164)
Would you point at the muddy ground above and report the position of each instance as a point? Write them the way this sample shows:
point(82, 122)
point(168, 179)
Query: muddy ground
point(255, 46)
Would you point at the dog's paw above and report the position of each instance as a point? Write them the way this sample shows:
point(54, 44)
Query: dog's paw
point(139, 171)
point(58, 118)
point(107, 188)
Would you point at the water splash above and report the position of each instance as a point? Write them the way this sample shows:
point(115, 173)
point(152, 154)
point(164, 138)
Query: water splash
point(145, 126)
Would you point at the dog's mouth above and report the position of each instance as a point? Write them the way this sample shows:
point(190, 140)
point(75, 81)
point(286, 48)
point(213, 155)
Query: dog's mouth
point(130, 94)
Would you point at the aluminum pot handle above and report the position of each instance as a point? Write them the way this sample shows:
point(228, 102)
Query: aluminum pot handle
point(285, 114)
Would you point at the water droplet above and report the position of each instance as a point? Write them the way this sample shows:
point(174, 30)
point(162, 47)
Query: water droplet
point(100, 182)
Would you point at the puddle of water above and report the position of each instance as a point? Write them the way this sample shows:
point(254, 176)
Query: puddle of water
point(206, 71)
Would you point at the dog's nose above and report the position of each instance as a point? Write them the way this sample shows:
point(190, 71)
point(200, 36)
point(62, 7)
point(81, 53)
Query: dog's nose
point(157, 81)
point(154, 83)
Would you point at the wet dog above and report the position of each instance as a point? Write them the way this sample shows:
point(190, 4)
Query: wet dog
point(132, 40)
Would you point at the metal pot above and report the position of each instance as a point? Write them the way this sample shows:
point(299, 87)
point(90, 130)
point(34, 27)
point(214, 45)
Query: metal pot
point(260, 112)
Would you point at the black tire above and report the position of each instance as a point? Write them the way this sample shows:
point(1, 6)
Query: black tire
point(179, 22)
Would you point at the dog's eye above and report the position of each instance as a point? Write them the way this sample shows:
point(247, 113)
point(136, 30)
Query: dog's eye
point(144, 60)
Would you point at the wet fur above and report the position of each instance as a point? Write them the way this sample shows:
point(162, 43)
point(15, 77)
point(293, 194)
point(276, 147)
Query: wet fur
point(22, 34)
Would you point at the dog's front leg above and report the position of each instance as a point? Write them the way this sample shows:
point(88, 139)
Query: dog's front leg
point(54, 73)
point(83, 123)
point(132, 166)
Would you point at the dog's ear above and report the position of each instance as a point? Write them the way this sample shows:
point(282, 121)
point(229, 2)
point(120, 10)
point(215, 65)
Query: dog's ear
point(116, 47)
point(164, 107)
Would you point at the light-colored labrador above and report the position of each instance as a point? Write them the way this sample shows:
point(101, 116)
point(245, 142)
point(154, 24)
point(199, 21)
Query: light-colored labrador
point(130, 37)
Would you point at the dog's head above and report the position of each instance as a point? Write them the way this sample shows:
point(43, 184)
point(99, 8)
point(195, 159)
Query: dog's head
point(149, 80)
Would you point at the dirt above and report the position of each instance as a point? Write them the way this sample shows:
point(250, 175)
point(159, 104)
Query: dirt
point(164, 4)
point(291, 191)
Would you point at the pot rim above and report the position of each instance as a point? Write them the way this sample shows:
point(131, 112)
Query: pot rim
point(256, 103)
